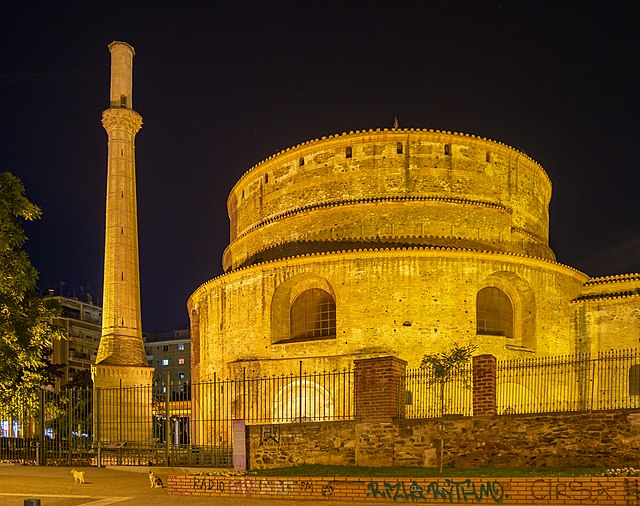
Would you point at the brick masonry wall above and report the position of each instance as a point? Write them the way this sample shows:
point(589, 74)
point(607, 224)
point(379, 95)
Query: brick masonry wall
point(484, 385)
point(599, 439)
point(597, 490)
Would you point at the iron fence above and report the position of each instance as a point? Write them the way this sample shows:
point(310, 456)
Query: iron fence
point(47, 427)
point(611, 380)
point(429, 397)
point(165, 423)
point(191, 424)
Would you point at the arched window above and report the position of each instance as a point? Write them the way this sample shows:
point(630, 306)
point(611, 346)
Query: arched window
point(399, 148)
point(634, 380)
point(348, 152)
point(313, 316)
point(494, 312)
point(447, 149)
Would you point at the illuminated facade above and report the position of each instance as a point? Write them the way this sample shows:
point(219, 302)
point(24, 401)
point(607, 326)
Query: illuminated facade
point(397, 242)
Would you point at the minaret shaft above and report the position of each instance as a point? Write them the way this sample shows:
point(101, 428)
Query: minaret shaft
point(121, 342)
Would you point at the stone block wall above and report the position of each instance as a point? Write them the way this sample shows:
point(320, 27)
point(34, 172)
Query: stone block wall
point(584, 439)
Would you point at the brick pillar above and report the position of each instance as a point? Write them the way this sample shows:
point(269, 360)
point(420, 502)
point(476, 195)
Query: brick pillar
point(484, 385)
point(379, 388)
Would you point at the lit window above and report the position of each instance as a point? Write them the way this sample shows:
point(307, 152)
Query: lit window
point(494, 312)
point(181, 347)
point(634, 380)
point(181, 361)
point(313, 316)
point(348, 152)
point(165, 361)
point(181, 375)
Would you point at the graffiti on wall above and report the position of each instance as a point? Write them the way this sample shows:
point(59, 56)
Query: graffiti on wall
point(446, 491)
point(249, 486)
point(578, 490)
point(451, 491)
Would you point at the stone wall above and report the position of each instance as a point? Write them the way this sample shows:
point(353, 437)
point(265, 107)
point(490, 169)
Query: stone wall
point(583, 439)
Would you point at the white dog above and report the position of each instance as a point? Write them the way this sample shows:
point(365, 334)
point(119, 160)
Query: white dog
point(78, 476)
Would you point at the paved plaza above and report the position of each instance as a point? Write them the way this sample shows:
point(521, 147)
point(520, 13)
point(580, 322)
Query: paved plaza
point(124, 486)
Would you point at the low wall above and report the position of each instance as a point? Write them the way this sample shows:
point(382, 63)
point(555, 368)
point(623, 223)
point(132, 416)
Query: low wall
point(434, 490)
point(587, 439)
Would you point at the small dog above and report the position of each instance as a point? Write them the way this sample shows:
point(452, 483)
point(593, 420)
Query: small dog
point(155, 481)
point(78, 476)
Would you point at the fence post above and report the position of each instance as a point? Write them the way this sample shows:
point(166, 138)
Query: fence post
point(96, 424)
point(379, 392)
point(300, 394)
point(40, 441)
point(70, 423)
point(167, 420)
point(484, 385)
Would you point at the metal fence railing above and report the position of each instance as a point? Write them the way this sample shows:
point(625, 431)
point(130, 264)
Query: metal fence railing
point(611, 380)
point(165, 423)
point(427, 397)
point(191, 424)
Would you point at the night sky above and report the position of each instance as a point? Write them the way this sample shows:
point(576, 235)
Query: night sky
point(223, 85)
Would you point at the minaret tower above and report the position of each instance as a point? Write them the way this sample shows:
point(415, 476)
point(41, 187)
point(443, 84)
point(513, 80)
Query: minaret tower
point(121, 360)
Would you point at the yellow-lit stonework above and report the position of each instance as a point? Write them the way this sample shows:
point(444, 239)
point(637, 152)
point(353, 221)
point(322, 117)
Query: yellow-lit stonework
point(400, 230)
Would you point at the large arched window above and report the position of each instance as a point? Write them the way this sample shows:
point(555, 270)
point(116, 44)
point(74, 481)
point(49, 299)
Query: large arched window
point(313, 316)
point(494, 312)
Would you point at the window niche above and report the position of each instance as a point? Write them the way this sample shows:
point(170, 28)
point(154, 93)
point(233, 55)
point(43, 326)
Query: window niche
point(494, 313)
point(303, 309)
point(313, 316)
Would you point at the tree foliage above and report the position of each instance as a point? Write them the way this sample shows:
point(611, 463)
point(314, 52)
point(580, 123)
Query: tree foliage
point(26, 328)
point(446, 364)
point(445, 367)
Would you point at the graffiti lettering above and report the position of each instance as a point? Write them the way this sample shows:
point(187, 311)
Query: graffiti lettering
point(327, 490)
point(451, 491)
point(546, 489)
point(632, 490)
point(250, 486)
point(208, 484)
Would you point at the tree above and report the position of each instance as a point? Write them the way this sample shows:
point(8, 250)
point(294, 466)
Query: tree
point(445, 367)
point(26, 328)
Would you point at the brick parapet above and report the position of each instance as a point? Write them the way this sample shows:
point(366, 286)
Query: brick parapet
point(484, 385)
point(379, 388)
point(560, 491)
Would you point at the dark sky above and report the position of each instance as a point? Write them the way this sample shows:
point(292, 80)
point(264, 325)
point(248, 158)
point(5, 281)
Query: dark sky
point(223, 85)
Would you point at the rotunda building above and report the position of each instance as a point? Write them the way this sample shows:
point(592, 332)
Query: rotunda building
point(386, 242)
